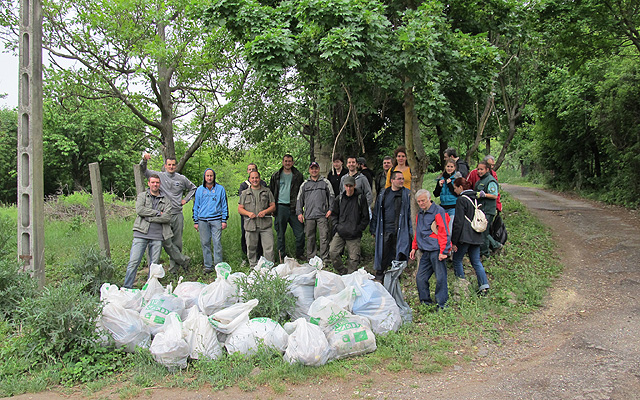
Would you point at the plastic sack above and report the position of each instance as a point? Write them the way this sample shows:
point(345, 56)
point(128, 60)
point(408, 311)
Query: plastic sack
point(125, 327)
point(316, 262)
point(350, 336)
point(376, 304)
point(392, 284)
point(327, 283)
point(155, 312)
point(168, 347)
point(153, 285)
point(264, 263)
point(287, 267)
point(189, 292)
point(302, 287)
point(324, 312)
point(227, 320)
point(127, 298)
point(200, 335)
point(241, 340)
point(220, 294)
point(307, 344)
point(270, 333)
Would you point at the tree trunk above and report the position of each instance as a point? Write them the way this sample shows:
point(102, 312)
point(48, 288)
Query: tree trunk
point(165, 103)
point(442, 144)
point(481, 124)
point(416, 156)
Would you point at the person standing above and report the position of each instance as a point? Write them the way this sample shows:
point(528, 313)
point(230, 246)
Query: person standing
point(432, 239)
point(257, 204)
point(362, 184)
point(174, 186)
point(364, 170)
point(349, 218)
point(210, 215)
point(284, 185)
point(465, 240)
point(473, 177)
point(150, 228)
point(313, 208)
point(487, 192)
point(391, 225)
point(461, 165)
point(381, 177)
point(337, 172)
point(243, 186)
point(444, 188)
point(400, 163)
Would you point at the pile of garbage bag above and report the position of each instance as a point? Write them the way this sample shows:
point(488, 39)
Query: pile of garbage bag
point(334, 316)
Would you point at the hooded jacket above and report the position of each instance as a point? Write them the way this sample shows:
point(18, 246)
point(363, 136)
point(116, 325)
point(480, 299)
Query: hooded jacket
point(210, 204)
point(350, 215)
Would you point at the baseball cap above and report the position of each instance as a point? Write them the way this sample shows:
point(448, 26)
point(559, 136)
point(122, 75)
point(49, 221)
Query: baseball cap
point(349, 181)
point(314, 164)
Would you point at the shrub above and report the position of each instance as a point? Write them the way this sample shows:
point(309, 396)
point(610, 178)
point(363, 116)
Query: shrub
point(272, 292)
point(61, 322)
point(93, 269)
point(15, 286)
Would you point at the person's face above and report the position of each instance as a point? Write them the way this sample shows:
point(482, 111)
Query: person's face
point(250, 168)
point(397, 182)
point(450, 168)
point(386, 164)
point(254, 179)
point(445, 157)
point(491, 163)
point(352, 164)
point(458, 189)
point(337, 164)
point(287, 163)
point(423, 202)
point(170, 166)
point(401, 158)
point(482, 170)
point(154, 185)
point(208, 176)
point(314, 172)
point(349, 189)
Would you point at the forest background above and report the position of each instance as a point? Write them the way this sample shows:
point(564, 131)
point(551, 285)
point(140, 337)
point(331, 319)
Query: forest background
point(549, 87)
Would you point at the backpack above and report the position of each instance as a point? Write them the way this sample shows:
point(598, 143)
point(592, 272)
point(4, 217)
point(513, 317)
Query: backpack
point(479, 222)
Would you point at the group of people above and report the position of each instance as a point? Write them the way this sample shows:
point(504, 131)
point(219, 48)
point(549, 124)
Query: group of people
point(331, 213)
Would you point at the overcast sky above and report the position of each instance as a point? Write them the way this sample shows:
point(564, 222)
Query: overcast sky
point(9, 80)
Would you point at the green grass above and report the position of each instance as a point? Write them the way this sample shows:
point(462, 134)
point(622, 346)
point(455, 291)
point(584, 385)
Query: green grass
point(519, 279)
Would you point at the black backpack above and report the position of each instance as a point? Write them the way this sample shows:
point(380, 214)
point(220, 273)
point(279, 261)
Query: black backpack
point(498, 230)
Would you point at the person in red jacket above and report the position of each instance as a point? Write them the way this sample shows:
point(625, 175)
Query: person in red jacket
point(432, 239)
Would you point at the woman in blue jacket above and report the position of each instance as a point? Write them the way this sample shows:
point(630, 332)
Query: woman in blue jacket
point(444, 189)
point(210, 215)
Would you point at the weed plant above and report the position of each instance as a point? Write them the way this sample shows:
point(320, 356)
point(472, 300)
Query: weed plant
point(92, 269)
point(272, 291)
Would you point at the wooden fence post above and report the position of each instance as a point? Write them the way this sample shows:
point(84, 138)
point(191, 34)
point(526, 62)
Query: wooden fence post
point(98, 205)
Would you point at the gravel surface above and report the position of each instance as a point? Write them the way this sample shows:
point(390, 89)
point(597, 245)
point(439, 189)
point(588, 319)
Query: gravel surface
point(583, 344)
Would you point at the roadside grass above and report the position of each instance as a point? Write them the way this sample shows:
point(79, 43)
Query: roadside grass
point(519, 278)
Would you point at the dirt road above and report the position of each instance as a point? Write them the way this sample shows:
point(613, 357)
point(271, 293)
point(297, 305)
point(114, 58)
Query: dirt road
point(584, 344)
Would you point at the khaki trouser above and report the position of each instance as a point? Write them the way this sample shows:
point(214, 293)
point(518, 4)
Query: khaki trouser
point(310, 226)
point(263, 236)
point(335, 250)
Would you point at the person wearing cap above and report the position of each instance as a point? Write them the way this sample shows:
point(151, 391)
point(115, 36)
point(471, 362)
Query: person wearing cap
point(284, 185)
point(391, 225)
point(313, 208)
point(349, 217)
point(362, 184)
point(210, 215)
point(364, 170)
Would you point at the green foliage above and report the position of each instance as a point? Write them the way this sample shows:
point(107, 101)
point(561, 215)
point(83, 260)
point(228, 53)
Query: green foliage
point(92, 269)
point(272, 292)
point(59, 324)
point(96, 362)
point(8, 156)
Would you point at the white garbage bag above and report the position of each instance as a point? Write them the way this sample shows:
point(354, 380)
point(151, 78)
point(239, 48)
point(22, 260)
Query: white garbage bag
point(351, 336)
point(374, 302)
point(125, 326)
point(155, 312)
point(270, 333)
point(127, 298)
point(153, 285)
point(169, 347)
point(302, 287)
point(327, 283)
point(189, 292)
point(307, 344)
point(230, 318)
point(220, 294)
point(201, 336)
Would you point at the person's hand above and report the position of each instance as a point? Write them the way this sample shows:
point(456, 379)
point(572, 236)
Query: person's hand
point(183, 202)
point(224, 225)
point(448, 180)
point(442, 256)
point(301, 218)
point(146, 156)
point(412, 255)
point(196, 227)
point(441, 182)
point(454, 248)
point(252, 215)
point(328, 214)
point(481, 194)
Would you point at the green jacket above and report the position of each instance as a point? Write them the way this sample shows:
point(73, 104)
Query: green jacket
point(146, 214)
point(489, 185)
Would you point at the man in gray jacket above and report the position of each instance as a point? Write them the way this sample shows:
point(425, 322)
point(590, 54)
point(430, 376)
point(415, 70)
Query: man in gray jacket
point(150, 228)
point(174, 186)
point(313, 208)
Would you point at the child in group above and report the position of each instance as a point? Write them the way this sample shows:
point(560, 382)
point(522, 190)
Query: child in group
point(444, 189)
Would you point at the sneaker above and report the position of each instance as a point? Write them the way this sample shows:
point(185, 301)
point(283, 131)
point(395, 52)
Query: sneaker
point(208, 270)
point(483, 292)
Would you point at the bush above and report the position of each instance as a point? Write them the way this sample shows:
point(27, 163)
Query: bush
point(272, 291)
point(15, 286)
point(93, 269)
point(60, 323)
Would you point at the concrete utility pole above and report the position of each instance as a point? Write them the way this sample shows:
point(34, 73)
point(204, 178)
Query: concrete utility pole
point(98, 206)
point(30, 173)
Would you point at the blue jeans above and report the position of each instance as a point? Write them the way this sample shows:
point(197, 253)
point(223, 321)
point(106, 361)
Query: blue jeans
point(430, 264)
point(474, 256)
point(138, 248)
point(452, 213)
point(211, 231)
